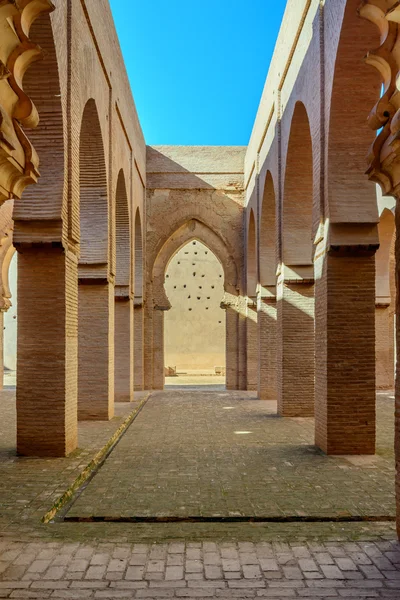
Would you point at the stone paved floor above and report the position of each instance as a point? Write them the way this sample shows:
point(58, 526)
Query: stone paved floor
point(197, 560)
point(227, 454)
point(200, 570)
point(30, 486)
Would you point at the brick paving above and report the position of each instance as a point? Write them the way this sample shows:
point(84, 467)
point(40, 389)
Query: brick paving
point(189, 560)
point(30, 486)
point(200, 570)
point(207, 454)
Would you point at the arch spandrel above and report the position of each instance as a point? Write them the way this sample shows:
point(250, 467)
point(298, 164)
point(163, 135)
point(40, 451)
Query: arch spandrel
point(191, 230)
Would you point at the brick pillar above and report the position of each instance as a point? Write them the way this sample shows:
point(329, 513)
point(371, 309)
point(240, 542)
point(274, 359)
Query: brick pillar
point(158, 350)
point(345, 354)
point(231, 347)
point(148, 310)
point(267, 345)
point(96, 350)
point(252, 346)
point(47, 351)
point(138, 377)
point(123, 348)
point(384, 346)
point(241, 309)
point(295, 344)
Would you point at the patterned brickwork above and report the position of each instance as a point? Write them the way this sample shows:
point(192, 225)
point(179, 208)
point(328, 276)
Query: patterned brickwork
point(295, 349)
point(267, 333)
point(96, 351)
point(345, 405)
point(46, 278)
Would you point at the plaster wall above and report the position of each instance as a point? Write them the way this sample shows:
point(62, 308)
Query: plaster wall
point(194, 327)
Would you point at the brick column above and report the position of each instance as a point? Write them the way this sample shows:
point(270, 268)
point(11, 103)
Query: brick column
point(345, 354)
point(267, 344)
point(158, 350)
point(295, 342)
point(384, 346)
point(231, 347)
point(138, 377)
point(47, 351)
point(96, 349)
point(123, 347)
point(252, 346)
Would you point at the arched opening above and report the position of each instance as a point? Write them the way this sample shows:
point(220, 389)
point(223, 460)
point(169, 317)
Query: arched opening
point(138, 257)
point(189, 231)
point(123, 321)
point(42, 85)
point(93, 190)
point(267, 305)
point(139, 313)
point(251, 257)
point(355, 90)
point(194, 327)
point(385, 302)
point(298, 192)
point(9, 280)
point(95, 359)
point(268, 263)
point(251, 309)
point(295, 309)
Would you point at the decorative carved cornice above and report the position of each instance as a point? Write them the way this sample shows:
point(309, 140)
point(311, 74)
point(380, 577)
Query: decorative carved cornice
point(18, 159)
point(384, 155)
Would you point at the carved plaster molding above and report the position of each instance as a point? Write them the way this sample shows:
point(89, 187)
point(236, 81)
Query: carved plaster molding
point(384, 154)
point(18, 160)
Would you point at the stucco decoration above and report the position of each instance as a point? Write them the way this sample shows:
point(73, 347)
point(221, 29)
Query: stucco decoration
point(19, 162)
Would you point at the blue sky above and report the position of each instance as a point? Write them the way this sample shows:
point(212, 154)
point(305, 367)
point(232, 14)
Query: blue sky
point(197, 67)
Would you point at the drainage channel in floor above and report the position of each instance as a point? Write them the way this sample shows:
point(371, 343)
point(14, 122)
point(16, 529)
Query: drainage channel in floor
point(238, 519)
point(64, 506)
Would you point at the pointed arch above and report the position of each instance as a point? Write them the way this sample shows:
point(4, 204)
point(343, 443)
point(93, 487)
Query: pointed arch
point(41, 83)
point(93, 190)
point(191, 230)
point(139, 268)
point(251, 256)
point(268, 234)
point(355, 89)
point(298, 192)
point(387, 231)
point(123, 245)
